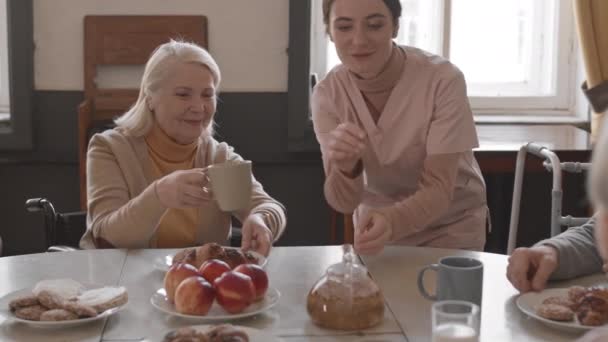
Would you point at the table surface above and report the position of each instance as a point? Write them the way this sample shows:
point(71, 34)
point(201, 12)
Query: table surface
point(293, 271)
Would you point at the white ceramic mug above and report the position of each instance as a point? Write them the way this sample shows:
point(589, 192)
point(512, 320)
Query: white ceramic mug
point(231, 184)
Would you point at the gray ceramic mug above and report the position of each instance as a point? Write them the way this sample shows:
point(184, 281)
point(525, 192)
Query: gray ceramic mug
point(458, 278)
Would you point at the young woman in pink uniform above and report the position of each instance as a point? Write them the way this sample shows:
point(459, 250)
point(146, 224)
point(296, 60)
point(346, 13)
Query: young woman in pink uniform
point(396, 133)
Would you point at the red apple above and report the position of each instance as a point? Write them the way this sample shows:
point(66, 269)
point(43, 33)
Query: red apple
point(211, 269)
point(194, 296)
point(258, 277)
point(175, 275)
point(235, 291)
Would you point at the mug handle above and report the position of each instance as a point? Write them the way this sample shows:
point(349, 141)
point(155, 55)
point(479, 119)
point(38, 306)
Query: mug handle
point(423, 291)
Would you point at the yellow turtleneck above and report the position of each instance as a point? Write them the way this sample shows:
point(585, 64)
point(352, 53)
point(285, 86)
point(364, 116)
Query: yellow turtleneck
point(177, 227)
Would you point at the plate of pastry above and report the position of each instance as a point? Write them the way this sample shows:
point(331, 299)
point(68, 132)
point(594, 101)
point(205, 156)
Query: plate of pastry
point(220, 332)
point(216, 312)
point(574, 309)
point(62, 303)
point(196, 256)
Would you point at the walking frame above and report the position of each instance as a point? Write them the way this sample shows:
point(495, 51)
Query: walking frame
point(552, 164)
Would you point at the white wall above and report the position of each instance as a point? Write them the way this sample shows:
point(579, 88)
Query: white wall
point(248, 38)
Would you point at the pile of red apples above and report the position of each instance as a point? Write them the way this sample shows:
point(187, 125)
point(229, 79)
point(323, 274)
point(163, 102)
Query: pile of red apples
point(193, 291)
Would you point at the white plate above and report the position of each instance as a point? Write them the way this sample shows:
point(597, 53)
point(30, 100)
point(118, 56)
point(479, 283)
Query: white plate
point(216, 313)
point(528, 302)
point(255, 335)
point(6, 312)
point(163, 263)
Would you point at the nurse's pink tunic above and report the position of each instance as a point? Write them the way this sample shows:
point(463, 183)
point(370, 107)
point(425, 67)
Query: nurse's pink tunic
point(418, 168)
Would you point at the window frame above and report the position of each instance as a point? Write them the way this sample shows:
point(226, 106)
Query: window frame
point(20, 36)
point(563, 104)
point(4, 83)
point(300, 133)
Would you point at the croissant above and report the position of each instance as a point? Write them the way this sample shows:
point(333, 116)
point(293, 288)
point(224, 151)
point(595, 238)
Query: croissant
point(592, 308)
point(196, 256)
point(223, 332)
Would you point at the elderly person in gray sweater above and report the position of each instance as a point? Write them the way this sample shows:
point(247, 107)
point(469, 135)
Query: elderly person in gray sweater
point(576, 252)
point(568, 255)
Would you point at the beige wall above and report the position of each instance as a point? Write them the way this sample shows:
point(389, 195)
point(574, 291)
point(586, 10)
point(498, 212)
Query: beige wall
point(249, 39)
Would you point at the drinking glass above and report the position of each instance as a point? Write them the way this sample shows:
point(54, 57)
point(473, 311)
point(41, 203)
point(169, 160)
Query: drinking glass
point(455, 321)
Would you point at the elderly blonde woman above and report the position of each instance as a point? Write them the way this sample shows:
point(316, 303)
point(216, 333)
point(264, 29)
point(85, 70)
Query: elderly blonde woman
point(146, 183)
point(577, 251)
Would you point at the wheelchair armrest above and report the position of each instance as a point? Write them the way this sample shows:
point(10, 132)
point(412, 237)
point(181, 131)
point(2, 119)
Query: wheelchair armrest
point(60, 248)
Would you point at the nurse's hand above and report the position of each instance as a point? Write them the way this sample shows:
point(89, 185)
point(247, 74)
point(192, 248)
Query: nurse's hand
point(345, 146)
point(372, 232)
point(530, 268)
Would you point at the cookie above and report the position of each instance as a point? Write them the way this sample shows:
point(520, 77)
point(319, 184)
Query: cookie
point(576, 292)
point(23, 302)
point(50, 300)
point(79, 310)
point(58, 315)
point(563, 301)
point(31, 313)
point(555, 312)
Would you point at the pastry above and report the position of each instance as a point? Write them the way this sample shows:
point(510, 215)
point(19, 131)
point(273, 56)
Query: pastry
point(235, 257)
point(23, 302)
point(185, 256)
point(198, 255)
point(66, 288)
point(104, 298)
point(218, 333)
point(227, 332)
point(591, 317)
point(50, 300)
point(576, 292)
point(31, 313)
point(560, 301)
point(555, 312)
point(58, 315)
point(79, 309)
point(209, 251)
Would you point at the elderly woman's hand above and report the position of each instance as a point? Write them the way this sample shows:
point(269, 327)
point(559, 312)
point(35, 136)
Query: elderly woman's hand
point(530, 268)
point(184, 189)
point(372, 232)
point(256, 235)
point(345, 146)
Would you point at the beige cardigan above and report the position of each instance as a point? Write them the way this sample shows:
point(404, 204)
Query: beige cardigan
point(124, 209)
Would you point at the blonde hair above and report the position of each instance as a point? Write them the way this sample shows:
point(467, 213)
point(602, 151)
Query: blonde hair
point(598, 178)
point(138, 120)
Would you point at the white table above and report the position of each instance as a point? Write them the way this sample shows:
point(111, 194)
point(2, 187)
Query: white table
point(94, 267)
point(396, 272)
point(292, 270)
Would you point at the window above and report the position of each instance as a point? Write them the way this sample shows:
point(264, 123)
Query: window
point(16, 79)
point(518, 56)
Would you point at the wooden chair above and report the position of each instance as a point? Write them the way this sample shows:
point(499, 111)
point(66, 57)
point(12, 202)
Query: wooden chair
point(344, 223)
point(122, 41)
